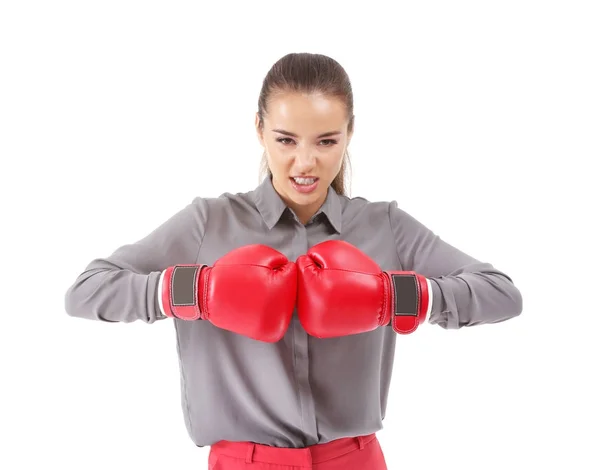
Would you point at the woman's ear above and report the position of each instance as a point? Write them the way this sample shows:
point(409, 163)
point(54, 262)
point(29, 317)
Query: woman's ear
point(259, 131)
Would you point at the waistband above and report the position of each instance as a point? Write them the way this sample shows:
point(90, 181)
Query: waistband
point(305, 456)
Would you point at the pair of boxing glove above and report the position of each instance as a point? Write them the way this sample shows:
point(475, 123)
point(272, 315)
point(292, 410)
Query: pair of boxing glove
point(337, 289)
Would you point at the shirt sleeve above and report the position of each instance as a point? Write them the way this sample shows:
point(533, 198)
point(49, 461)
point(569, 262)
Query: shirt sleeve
point(123, 287)
point(466, 292)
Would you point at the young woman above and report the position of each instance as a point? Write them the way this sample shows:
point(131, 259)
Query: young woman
point(287, 300)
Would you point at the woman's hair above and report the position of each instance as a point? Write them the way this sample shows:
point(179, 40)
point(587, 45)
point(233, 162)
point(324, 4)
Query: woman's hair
point(309, 73)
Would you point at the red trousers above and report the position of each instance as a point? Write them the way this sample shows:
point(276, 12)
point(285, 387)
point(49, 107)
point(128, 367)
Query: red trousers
point(351, 453)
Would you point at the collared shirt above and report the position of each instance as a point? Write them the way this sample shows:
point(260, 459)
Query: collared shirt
point(301, 390)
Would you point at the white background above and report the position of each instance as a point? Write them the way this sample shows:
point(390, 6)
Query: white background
point(480, 118)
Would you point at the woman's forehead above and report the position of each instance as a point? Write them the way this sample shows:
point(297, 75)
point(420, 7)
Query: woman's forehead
point(306, 111)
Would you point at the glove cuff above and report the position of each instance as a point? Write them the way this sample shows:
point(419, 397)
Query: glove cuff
point(411, 300)
point(178, 295)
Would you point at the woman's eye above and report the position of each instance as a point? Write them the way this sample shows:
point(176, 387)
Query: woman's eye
point(284, 141)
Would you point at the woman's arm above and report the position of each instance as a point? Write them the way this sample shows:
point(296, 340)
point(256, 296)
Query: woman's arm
point(123, 287)
point(466, 292)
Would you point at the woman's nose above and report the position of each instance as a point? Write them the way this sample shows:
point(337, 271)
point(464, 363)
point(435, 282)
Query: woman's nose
point(305, 161)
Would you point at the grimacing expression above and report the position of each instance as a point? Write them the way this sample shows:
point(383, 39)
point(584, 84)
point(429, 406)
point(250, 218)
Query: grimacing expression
point(305, 137)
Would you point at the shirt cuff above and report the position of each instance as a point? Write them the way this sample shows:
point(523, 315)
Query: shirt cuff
point(435, 302)
point(430, 302)
point(160, 313)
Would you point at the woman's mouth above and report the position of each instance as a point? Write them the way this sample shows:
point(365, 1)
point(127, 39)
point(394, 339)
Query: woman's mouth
point(304, 184)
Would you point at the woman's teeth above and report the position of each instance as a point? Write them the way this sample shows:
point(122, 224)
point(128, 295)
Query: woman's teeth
point(304, 181)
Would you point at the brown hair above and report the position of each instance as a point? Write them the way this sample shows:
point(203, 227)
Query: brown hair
point(309, 73)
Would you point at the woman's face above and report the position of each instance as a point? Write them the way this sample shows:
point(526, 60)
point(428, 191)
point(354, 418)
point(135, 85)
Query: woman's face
point(305, 137)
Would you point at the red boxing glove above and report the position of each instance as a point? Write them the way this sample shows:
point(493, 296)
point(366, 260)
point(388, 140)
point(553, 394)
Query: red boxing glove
point(341, 291)
point(250, 291)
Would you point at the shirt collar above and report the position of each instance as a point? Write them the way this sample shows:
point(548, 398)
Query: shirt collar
point(271, 206)
point(269, 203)
point(332, 208)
